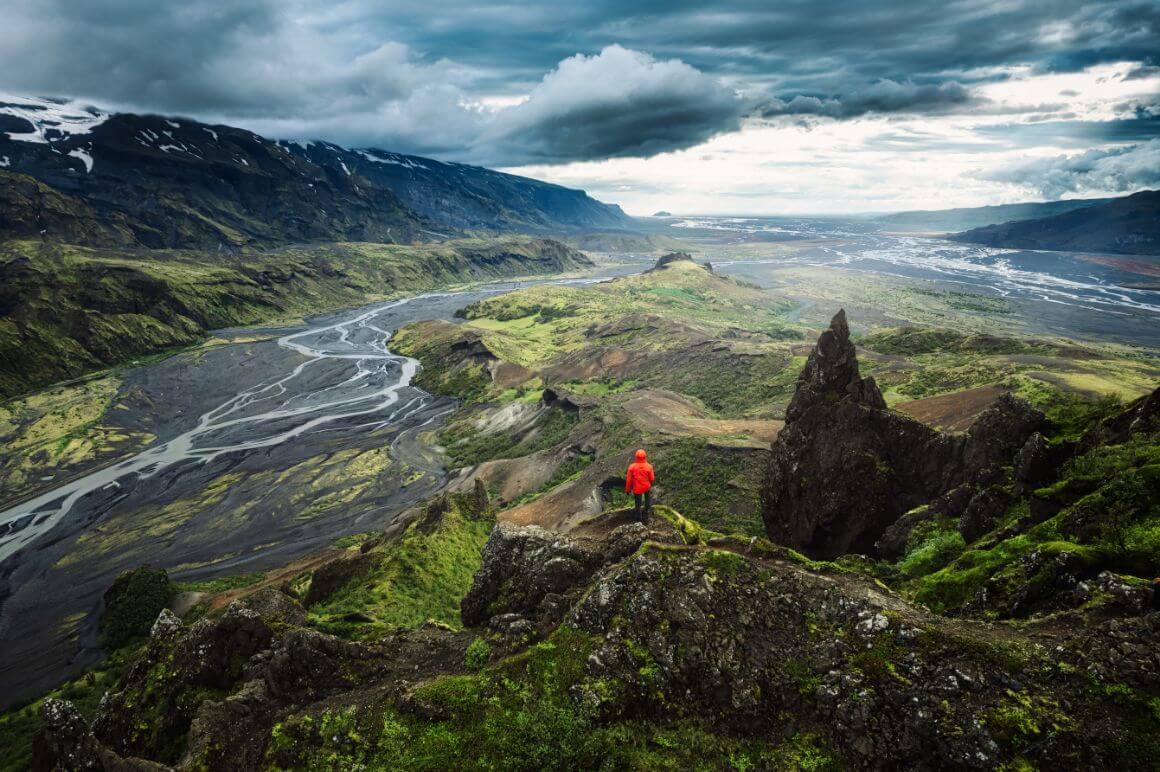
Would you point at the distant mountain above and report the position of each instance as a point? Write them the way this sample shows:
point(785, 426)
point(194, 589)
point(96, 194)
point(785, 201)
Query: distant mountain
point(75, 174)
point(1129, 225)
point(662, 213)
point(948, 220)
point(468, 197)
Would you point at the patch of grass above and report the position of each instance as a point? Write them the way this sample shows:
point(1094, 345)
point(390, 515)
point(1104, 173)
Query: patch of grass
point(716, 487)
point(221, 583)
point(419, 576)
point(934, 552)
point(478, 654)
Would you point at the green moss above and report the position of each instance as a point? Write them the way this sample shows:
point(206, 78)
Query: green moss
point(519, 714)
point(932, 553)
point(691, 532)
point(1024, 719)
point(132, 605)
point(478, 654)
point(419, 576)
point(723, 563)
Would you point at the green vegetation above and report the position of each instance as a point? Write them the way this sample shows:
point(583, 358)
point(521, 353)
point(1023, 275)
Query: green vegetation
point(467, 444)
point(188, 292)
point(1108, 518)
point(932, 553)
point(132, 605)
point(718, 487)
point(420, 576)
point(221, 583)
point(20, 724)
point(519, 714)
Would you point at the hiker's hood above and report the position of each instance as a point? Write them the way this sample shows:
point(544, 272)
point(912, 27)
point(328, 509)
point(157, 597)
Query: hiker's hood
point(641, 456)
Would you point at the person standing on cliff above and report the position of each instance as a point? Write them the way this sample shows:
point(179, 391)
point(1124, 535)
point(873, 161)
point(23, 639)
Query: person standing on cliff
point(638, 481)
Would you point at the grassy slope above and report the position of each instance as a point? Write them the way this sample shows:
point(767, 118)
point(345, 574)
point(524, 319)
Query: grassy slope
point(70, 310)
point(419, 576)
point(1109, 519)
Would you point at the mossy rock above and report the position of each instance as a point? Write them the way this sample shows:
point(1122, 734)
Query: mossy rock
point(132, 605)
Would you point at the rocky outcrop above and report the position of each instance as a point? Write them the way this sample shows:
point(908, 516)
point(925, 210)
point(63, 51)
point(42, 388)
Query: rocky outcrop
point(767, 648)
point(672, 257)
point(831, 374)
point(845, 467)
point(528, 571)
point(1140, 417)
point(207, 696)
point(643, 626)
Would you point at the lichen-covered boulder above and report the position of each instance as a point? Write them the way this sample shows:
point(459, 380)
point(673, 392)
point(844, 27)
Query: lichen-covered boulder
point(521, 566)
point(770, 649)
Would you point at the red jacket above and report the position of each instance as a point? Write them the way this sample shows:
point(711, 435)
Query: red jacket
point(639, 477)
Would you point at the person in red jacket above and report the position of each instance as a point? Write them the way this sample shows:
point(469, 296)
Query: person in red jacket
point(638, 481)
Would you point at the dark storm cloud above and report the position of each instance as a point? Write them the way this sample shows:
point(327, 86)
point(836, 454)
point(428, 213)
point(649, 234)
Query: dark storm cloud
point(407, 74)
point(885, 96)
point(616, 104)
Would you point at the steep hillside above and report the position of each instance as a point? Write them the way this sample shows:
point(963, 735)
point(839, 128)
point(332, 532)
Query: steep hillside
point(67, 310)
point(73, 174)
point(979, 216)
point(468, 197)
point(1129, 225)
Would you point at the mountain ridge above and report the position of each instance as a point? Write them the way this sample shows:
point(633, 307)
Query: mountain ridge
point(1129, 225)
point(79, 175)
point(964, 218)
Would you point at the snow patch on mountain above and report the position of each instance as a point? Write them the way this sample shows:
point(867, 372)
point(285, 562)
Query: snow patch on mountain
point(51, 119)
point(86, 158)
point(380, 157)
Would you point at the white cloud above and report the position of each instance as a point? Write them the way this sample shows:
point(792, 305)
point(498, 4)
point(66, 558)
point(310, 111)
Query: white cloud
point(1117, 170)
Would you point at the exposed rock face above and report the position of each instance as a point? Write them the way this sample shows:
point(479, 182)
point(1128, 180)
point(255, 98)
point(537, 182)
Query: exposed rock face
point(524, 566)
point(982, 512)
point(831, 373)
point(1143, 415)
point(845, 467)
point(748, 644)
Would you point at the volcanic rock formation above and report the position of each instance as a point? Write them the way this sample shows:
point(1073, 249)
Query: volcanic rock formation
point(845, 467)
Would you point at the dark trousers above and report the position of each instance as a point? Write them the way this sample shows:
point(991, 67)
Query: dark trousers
point(645, 499)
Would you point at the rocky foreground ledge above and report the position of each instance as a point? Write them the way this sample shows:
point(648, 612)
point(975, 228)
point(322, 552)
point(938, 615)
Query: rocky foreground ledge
point(663, 626)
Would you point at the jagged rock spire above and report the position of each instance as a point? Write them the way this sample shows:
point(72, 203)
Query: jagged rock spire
point(831, 373)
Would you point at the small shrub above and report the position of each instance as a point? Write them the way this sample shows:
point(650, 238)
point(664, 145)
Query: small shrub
point(478, 653)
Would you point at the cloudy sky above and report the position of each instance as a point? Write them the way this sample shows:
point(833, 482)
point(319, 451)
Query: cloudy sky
point(746, 106)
